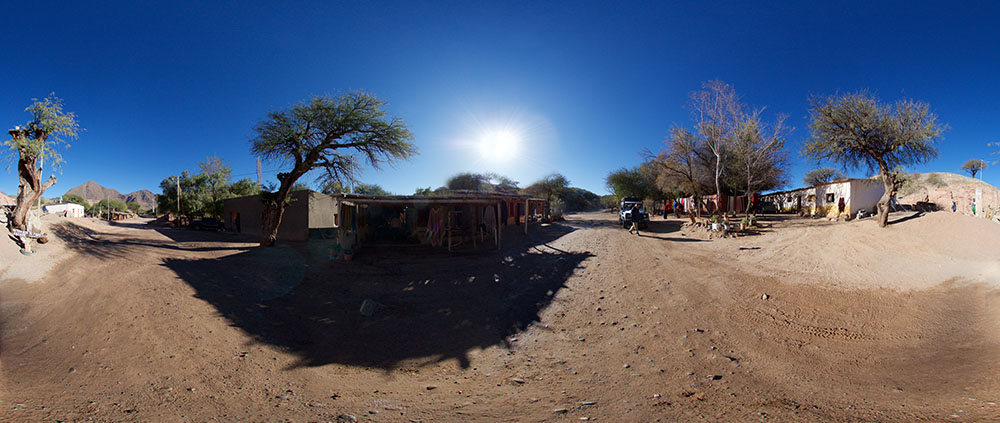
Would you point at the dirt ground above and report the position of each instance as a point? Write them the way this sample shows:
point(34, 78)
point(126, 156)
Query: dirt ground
point(808, 320)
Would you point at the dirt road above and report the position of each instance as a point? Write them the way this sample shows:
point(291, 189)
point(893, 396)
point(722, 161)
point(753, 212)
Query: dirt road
point(575, 321)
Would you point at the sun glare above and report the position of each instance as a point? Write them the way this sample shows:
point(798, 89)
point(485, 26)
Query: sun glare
point(499, 145)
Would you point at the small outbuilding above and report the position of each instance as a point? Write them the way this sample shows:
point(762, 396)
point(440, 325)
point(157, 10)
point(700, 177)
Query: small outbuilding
point(64, 209)
point(825, 199)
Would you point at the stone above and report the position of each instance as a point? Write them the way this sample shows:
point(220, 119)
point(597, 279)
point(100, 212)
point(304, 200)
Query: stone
point(764, 297)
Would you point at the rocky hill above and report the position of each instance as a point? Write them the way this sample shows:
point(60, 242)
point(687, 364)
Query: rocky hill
point(94, 192)
point(943, 188)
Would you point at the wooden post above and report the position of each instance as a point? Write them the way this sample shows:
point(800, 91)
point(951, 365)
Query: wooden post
point(447, 226)
point(526, 216)
point(498, 224)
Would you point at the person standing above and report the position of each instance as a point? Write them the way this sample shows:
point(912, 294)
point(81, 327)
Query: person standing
point(665, 204)
point(840, 207)
point(635, 219)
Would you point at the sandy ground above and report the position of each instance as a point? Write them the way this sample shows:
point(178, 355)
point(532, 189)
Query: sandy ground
point(575, 321)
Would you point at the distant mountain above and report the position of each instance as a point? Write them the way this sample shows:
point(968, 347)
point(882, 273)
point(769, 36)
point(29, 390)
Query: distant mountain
point(143, 196)
point(94, 192)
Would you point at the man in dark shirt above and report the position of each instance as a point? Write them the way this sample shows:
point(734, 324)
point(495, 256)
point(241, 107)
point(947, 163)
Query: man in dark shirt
point(635, 219)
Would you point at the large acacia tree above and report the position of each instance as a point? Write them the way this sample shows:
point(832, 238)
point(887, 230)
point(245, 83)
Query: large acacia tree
point(321, 134)
point(856, 130)
point(35, 143)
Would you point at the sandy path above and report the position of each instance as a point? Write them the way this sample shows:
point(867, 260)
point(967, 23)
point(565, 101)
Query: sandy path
point(575, 321)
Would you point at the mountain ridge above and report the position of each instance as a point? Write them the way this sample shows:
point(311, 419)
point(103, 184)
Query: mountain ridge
point(94, 192)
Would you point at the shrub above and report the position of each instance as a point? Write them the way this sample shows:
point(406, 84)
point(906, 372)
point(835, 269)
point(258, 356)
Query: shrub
point(935, 180)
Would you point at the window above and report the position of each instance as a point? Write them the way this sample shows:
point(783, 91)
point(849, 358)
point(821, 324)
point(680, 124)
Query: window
point(811, 198)
point(829, 198)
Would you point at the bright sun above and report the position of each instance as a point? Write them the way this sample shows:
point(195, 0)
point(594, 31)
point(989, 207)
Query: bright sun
point(499, 145)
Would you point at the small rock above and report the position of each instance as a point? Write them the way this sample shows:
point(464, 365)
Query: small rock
point(72, 369)
point(626, 366)
point(588, 403)
point(656, 396)
point(517, 380)
point(431, 387)
point(713, 377)
point(764, 297)
point(560, 411)
point(580, 338)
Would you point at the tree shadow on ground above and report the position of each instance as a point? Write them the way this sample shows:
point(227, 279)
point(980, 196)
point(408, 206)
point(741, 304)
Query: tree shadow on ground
point(905, 218)
point(429, 305)
point(106, 245)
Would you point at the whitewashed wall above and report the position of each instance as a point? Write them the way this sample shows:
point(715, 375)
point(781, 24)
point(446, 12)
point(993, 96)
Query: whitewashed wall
point(865, 194)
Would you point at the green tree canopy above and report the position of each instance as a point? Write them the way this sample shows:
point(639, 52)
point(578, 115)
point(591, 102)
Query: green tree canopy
point(75, 199)
point(857, 130)
point(370, 189)
point(549, 186)
point(629, 183)
point(822, 176)
point(974, 166)
point(320, 135)
point(35, 143)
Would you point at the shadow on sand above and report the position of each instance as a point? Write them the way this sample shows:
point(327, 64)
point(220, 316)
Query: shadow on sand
point(429, 305)
point(105, 245)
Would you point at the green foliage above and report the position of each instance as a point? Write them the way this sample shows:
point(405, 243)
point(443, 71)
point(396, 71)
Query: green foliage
point(75, 199)
point(548, 187)
point(423, 192)
point(204, 194)
point(299, 186)
point(133, 206)
point(243, 188)
point(370, 189)
point(629, 183)
point(857, 130)
point(466, 181)
point(484, 182)
point(49, 128)
point(974, 166)
point(109, 204)
point(822, 176)
point(576, 199)
point(315, 135)
point(333, 187)
point(609, 201)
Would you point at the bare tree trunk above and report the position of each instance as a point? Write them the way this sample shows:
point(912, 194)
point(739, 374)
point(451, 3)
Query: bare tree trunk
point(272, 219)
point(274, 208)
point(30, 189)
point(889, 180)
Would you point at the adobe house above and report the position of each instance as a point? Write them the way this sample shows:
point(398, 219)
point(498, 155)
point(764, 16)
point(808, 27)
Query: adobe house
point(344, 221)
point(824, 199)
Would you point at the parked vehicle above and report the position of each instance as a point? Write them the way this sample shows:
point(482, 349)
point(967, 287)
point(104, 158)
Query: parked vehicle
point(207, 224)
point(625, 213)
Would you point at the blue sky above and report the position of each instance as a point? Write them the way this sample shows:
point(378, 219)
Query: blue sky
point(159, 86)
